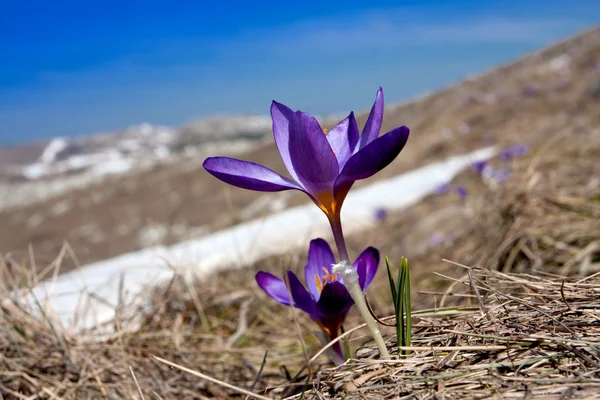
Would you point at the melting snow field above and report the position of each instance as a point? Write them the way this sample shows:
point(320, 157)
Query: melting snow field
point(88, 296)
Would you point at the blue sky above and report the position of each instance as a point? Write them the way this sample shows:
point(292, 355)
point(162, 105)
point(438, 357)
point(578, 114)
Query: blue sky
point(79, 67)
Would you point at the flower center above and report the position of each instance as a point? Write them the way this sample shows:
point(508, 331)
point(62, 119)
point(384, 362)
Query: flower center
point(327, 203)
point(325, 279)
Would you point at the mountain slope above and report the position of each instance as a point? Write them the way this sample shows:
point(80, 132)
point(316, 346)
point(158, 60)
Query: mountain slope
point(520, 102)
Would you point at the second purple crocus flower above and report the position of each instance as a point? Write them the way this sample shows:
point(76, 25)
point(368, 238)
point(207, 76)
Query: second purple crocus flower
point(326, 300)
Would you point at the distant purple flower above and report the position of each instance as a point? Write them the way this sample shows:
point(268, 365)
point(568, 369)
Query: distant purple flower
point(519, 150)
point(464, 128)
point(530, 90)
point(443, 188)
point(514, 151)
point(462, 192)
point(505, 155)
point(479, 166)
point(327, 300)
point(501, 175)
point(324, 165)
point(380, 214)
point(436, 239)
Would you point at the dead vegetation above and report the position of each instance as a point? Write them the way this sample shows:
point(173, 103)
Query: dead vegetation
point(534, 336)
point(531, 330)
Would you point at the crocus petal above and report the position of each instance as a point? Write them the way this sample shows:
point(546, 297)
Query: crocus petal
point(373, 125)
point(372, 158)
point(366, 266)
point(311, 155)
point(273, 286)
point(335, 301)
point(248, 175)
point(319, 256)
point(343, 138)
point(302, 299)
point(281, 116)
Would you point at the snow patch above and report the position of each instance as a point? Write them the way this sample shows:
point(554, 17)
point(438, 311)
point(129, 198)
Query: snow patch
point(62, 207)
point(53, 150)
point(560, 63)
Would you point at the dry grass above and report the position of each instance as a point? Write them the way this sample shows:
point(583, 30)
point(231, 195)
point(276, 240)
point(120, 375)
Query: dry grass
point(38, 358)
point(533, 337)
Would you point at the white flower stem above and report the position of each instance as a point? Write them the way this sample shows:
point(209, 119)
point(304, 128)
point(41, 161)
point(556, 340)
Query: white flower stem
point(350, 279)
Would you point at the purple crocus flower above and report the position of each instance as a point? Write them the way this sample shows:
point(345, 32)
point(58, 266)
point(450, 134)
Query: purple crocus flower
point(505, 155)
point(380, 214)
point(442, 189)
point(327, 300)
point(530, 90)
point(514, 151)
point(519, 150)
point(462, 192)
point(324, 165)
point(501, 175)
point(479, 166)
point(436, 239)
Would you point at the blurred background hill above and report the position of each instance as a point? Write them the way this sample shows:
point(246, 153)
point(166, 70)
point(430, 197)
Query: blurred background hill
point(112, 193)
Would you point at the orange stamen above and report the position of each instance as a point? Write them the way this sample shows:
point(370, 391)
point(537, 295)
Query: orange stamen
point(328, 276)
point(325, 279)
point(319, 284)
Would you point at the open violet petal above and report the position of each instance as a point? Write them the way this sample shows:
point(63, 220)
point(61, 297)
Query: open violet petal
point(302, 299)
point(274, 287)
point(373, 157)
point(311, 155)
point(248, 175)
point(281, 116)
point(319, 256)
point(343, 138)
point(366, 265)
point(373, 125)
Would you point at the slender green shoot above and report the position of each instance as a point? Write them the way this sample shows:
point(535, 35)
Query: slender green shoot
point(346, 345)
point(400, 291)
